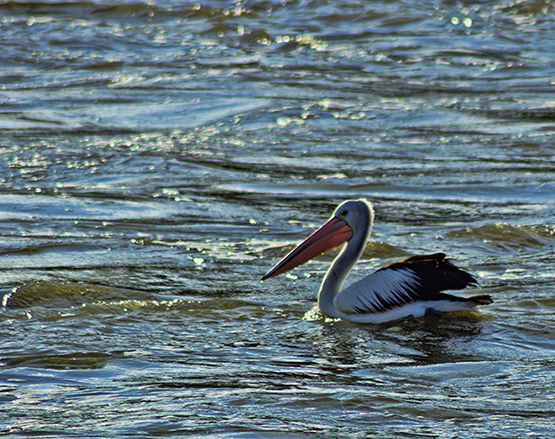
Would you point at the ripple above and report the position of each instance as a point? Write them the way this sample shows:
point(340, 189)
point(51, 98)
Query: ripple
point(74, 360)
point(158, 157)
point(508, 237)
point(67, 294)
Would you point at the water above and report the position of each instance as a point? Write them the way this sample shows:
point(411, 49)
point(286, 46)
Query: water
point(157, 158)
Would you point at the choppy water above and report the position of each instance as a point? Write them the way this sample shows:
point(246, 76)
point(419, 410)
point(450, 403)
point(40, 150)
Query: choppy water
point(156, 158)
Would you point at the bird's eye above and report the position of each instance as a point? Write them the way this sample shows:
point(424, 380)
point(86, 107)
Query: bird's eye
point(343, 213)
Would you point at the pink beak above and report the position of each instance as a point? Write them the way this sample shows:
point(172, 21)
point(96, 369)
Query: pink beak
point(333, 233)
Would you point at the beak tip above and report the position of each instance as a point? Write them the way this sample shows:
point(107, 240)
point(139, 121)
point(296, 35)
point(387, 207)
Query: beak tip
point(267, 276)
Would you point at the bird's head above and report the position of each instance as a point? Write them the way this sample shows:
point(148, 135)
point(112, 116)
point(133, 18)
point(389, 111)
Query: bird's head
point(352, 216)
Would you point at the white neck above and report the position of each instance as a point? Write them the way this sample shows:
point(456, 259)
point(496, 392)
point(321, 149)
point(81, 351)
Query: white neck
point(341, 267)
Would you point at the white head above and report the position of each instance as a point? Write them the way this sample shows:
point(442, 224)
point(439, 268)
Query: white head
point(351, 218)
point(356, 213)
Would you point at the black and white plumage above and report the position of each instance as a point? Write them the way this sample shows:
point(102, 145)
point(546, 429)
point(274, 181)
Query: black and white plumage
point(410, 287)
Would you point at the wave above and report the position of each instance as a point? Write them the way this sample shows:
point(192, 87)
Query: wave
point(502, 236)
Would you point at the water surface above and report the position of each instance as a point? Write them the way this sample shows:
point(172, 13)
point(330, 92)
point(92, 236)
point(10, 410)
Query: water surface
point(157, 158)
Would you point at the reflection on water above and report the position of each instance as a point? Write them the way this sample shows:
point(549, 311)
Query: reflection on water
point(157, 158)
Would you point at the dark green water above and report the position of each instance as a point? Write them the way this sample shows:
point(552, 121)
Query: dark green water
point(156, 158)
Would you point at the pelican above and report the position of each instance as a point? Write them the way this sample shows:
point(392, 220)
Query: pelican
point(411, 287)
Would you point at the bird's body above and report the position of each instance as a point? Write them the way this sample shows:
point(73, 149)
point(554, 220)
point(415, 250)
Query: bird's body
point(412, 287)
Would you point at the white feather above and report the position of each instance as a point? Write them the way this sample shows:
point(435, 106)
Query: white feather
point(392, 286)
point(415, 309)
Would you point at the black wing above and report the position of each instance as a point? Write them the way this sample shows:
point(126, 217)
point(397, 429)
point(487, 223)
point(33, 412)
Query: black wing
point(418, 278)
